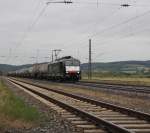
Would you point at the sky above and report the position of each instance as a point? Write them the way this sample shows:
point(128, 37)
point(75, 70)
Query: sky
point(31, 29)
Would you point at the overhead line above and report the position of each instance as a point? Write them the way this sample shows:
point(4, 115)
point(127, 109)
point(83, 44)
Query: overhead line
point(122, 23)
point(123, 37)
point(102, 21)
point(125, 22)
point(30, 27)
point(26, 30)
point(110, 4)
point(117, 25)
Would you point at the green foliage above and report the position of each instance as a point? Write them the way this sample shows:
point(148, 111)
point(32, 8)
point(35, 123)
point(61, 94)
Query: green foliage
point(123, 68)
point(117, 74)
point(1, 73)
point(14, 107)
point(6, 68)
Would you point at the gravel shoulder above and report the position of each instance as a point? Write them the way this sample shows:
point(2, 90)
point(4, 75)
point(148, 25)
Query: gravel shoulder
point(50, 121)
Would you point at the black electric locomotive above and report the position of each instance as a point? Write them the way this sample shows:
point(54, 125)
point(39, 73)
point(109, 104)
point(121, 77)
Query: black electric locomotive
point(65, 68)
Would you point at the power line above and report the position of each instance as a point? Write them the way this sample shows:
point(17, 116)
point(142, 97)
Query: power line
point(122, 23)
point(98, 2)
point(33, 24)
point(107, 29)
point(122, 37)
point(56, 52)
point(102, 21)
point(128, 35)
point(65, 1)
point(9, 55)
point(29, 26)
point(99, 54)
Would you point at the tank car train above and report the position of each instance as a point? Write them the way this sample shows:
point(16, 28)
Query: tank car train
point(65, 68)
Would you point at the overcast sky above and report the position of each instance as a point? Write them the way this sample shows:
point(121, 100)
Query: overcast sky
point(29, 29)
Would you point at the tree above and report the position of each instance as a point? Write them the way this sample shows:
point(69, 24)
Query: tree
point(1, 73)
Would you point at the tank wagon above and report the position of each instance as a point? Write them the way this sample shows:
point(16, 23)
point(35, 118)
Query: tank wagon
point(65, 68)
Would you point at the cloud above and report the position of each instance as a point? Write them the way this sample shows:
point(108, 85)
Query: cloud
point(70, 26)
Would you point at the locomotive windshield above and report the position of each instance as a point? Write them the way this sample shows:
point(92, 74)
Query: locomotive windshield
point(72, 63)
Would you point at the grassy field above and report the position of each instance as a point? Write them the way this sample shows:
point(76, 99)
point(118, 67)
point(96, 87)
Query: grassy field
point(120, 80)
point(13, 108)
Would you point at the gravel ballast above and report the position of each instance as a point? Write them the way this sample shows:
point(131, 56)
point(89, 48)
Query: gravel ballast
point(127, 99)
point(50, 122)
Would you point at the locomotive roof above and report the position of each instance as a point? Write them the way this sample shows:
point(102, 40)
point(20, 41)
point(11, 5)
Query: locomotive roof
point(40, 63)
point(64, 59)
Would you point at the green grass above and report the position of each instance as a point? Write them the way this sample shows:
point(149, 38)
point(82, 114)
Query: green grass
point(14, 108)
point(119, 79)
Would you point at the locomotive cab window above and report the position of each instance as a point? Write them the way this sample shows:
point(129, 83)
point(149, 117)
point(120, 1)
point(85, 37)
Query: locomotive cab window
point(72, 63)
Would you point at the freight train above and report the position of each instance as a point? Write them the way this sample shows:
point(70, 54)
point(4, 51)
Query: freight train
point(65, 68)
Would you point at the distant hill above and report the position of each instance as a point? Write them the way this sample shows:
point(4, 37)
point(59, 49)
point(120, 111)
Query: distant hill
point(6, 68)
point(122, 66)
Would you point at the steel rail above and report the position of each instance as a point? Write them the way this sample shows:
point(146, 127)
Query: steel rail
point(101, 82)
point(130, 112)
point(121, 87)
point(96, 120)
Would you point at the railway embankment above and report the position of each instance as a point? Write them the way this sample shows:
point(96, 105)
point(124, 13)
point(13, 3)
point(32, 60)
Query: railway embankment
point(121, 99)
point(87, 113)
point(20, 112)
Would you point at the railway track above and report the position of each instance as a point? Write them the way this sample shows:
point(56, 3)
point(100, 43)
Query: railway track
point(106, 86)
point(91, 115)
point(120, 87)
